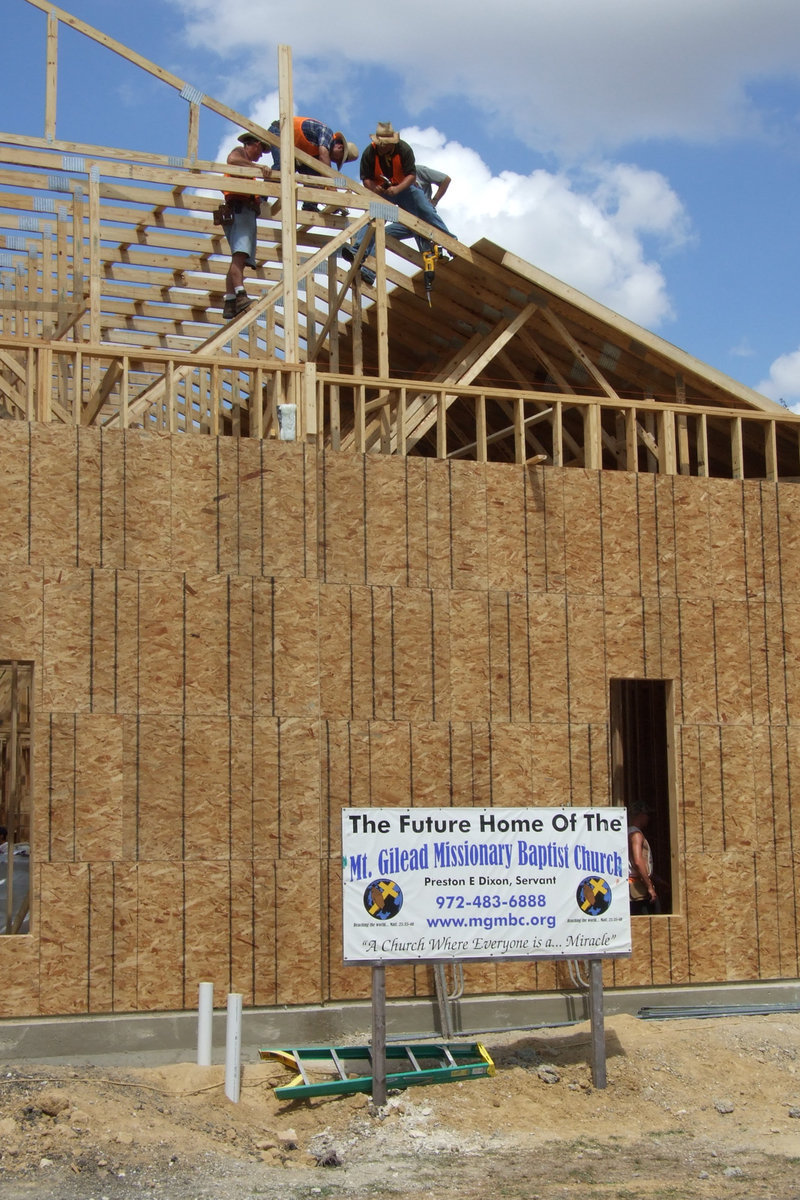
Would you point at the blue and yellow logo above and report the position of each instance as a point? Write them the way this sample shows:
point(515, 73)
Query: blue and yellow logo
point(593, 895)
point(383, 899)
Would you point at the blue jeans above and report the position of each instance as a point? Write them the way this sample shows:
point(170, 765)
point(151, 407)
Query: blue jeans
point(415, 201)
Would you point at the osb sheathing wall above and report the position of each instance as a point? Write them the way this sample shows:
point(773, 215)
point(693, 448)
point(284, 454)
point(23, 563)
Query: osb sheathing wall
point(234, 639)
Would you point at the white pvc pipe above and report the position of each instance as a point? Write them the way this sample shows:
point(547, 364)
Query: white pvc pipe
point(233, 1047)
point(205, 1014)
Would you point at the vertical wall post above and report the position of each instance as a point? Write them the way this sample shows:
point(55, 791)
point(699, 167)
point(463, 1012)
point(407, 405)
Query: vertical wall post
point(291, 340)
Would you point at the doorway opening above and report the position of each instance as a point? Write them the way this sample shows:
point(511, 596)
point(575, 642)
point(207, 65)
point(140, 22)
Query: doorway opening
point(16, 793)
point(642, 772)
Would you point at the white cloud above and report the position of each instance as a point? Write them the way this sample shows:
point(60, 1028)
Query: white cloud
point(580, 74)
point(587, 232)
point(783, 382)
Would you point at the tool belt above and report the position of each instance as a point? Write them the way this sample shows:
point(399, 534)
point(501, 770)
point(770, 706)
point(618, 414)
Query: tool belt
point(224, 213)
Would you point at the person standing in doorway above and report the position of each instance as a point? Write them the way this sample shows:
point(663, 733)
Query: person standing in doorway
point(643, 896)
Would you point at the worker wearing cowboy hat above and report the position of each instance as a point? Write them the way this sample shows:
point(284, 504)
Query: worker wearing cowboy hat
point(240, 229)
point(388, 168)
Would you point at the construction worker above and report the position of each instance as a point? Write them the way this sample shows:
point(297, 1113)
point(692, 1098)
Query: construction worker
point(388, 168)
point(240, 227)
point(428, 178)
point(318, 140)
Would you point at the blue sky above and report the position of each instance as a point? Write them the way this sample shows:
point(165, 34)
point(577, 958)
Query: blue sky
point(645, 151)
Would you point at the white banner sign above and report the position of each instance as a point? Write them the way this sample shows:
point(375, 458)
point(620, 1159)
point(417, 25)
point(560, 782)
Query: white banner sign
point(482, 883)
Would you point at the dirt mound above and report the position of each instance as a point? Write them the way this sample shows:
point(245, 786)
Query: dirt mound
point(692, 1108)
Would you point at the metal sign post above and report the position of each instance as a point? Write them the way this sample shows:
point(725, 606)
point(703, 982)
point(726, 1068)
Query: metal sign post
point(598, 1024)
point(379, 1036)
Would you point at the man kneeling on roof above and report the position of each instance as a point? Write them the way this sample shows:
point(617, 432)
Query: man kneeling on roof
point(318, 140)
point(388, 168)
point(239, 224)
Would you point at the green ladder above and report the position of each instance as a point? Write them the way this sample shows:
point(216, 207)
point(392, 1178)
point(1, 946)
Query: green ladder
point(422, 1063)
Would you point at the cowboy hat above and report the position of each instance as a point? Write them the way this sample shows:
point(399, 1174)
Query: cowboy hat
point(251, 137)
point(350, 148)
point(385, 133)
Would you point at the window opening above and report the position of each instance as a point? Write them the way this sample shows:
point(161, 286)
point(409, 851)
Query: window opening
point(16, 688)
point(642, 770)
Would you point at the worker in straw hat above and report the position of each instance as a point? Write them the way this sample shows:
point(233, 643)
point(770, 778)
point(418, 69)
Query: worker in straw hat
point(388, 168)
point(318, 140)
point(239, 224)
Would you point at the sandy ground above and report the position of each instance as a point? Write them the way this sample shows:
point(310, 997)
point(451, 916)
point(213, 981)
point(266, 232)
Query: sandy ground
point(693, 1108)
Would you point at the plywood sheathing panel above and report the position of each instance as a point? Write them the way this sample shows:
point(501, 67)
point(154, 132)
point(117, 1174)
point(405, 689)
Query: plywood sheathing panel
point(66, 641)
point(98, 788)
point(104, 665)
point(583, 546)
point(21, 598)
point(15, 497)
point(58, 807)
point(196, 497)
point(548, 637)
point(125, 651)
point(788, 525)
point(505, 528)
point(161, 965)
point(90, 486)
point(692, 537)
point(431, 777)
point(63, 935)
point(162, 637)
point(19, 969)
point(265, 931)
point(335, 663)
point(296, 648)
point(124, 962)
point(469, 653)
point(300, 896)
point(146, 502)
point(665, 535)
point(347, 983)
point(289, 514)
point(740, 813)
point(707, 918)
point(383, 652)
point(54, 497)
point(436, 533)
point(740, 925)
point(698, 668)
point(207, 943)
point(732, 653)
point(101, 937)
point(790, 614)
point(206, 797)
point(728, 570)
point(624, 628)
point(386, 527)
point(416, 515)
point(299, 833)
point(414, 673)
point(586, 666)
point(342, 534)
point(154, 805)
point(468, 527)
point(620, 535)
point(648, 535)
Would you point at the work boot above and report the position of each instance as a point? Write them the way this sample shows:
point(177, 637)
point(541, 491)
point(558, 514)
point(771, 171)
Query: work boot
point(242, 302)
point(368, 276)
point(229, 308)
point(310, 206)
point(347, 252)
